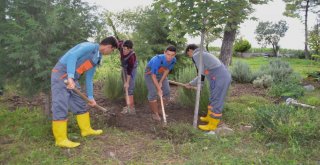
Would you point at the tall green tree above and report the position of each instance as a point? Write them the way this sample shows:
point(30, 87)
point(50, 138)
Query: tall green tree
point(34, 34)
point(270, 34)
point(314, 39)
point(236, 12)
point(294, 8)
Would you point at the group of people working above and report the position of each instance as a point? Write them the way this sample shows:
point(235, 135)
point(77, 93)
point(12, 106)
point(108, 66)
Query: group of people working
point(84, 59)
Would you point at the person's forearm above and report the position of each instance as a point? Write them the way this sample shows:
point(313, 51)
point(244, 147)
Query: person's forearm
point(155, 81)
point(165, 74)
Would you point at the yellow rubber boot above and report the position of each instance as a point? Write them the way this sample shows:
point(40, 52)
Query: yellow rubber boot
point(206, 118)
point(211, 126)
point(59, 129)
point(85, 127)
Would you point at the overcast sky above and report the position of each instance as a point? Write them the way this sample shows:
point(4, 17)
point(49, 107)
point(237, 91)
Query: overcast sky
point(294, 38)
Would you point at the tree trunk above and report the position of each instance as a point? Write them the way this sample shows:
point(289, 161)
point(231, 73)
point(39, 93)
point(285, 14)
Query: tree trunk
point(196, 108)
point(227, 43)
point(207, 46)
point(274, 49)
point(306, 53)
point(47, 105)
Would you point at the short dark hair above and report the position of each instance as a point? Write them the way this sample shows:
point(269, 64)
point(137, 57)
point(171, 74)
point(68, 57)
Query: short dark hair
point(110, 41)
point(171, 48)
point(128, 44)
point(192, 47)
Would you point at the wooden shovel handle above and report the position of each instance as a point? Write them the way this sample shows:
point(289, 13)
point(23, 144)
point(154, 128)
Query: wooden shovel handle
point(163, 112)
point(180, 84)
point(84, 97)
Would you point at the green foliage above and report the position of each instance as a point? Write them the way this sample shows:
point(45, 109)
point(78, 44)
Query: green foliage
point(110, 73)
point(296, 9)
point(314, 39)
point(315, 101)
point(241, 45)
point(315, 57)
point(145, 28)
point(264, 81)
point(287, 124)
point(179, 13)
point(240, 110)
point(270, 34)
point(286, 89)
point(141, 91)
point(241, 72)
point(278, 69)
point(34, 34)
point(186, 97)
point(113, 85)
point(315, 75)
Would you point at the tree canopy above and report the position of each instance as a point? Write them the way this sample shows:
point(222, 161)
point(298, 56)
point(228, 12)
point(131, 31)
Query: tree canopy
point(35, 33)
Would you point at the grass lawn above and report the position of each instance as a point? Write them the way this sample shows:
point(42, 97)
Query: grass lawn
point(26, 138)
point(301, 66)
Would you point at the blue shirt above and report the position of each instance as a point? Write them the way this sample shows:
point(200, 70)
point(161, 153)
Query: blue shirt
point(78, 53)
point(159, 62)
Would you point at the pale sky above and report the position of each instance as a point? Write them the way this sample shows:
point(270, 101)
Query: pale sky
point(294, 38)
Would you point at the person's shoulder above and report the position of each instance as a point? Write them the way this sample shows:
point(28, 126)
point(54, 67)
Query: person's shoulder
point(88, 44)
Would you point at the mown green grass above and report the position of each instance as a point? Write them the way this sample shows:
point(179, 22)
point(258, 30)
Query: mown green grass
point(300, 66)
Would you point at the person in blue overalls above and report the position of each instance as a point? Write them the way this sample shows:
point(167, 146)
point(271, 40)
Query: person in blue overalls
point(82, 58)
point(219, 79)
point(129, 65)
point(156, 79)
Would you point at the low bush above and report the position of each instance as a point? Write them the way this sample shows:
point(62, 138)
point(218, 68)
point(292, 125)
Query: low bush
point(186, 97)
point(264, 81)
point(286, 89)
point(287, 124)
point(241, 72)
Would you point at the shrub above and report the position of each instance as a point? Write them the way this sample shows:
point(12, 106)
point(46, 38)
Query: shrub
point(186, 97)
point(286, 89)
point(315, 75)
point(241, 72)
point(287, 124)
point(141, 91)
point(315, 57)
point(113, 88)
point(241, 45)
point(279, 71)
point(263, 82)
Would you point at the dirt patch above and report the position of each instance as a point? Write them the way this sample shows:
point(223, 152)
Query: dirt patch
point(311, 81)
point(142, 120)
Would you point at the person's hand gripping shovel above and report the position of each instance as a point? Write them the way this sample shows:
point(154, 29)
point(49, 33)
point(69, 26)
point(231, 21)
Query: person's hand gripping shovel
point(84, 97)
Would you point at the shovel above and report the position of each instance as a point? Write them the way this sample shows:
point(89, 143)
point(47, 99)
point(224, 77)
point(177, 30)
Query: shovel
point(180, 84)
point(84, 97)
point(126, 89)
point(163, 112)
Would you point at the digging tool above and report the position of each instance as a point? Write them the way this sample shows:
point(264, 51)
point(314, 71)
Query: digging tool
point(163, 112)
point(126, 89)
point(84, 97)
point(180, 84)
point(296, 103)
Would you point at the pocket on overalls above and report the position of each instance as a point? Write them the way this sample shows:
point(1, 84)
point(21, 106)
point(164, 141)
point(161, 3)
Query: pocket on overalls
point(212, 82)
